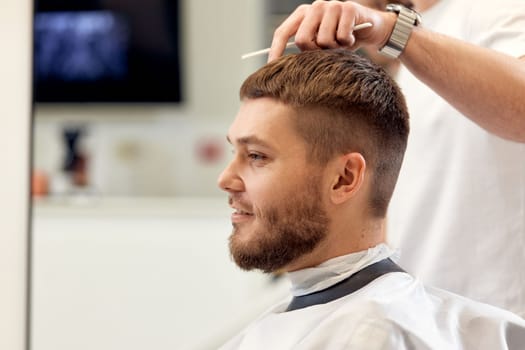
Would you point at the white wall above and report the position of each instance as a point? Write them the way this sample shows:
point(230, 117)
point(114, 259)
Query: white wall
point(162, 138)
point(15, 102)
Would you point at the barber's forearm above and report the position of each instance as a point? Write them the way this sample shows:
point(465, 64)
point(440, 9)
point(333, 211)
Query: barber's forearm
point(486, 86)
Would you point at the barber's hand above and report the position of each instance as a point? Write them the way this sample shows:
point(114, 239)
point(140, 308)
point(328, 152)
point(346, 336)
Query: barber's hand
point(381, 4)
point(329, 24)
point(375, 4)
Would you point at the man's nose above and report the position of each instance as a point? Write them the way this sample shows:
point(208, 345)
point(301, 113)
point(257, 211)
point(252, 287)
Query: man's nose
point(229, 180)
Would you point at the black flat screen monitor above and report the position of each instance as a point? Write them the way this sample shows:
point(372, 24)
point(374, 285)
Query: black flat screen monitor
point(106, 51)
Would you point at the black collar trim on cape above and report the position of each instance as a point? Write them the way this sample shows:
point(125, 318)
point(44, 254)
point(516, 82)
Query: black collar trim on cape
point(347, 286)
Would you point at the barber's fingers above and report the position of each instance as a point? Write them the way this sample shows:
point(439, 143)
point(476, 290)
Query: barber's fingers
point(313, 26)
point(327, 29)
point(345, 28)
point(285, 31)
point(306, 35)
point(324, 24)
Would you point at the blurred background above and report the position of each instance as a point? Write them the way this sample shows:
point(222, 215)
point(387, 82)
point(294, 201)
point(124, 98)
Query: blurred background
point(133, 100)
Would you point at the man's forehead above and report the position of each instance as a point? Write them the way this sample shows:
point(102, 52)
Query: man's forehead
point(261, 121)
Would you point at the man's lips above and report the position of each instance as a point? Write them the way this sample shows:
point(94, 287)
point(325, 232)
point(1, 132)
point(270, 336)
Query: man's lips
point(240, 214)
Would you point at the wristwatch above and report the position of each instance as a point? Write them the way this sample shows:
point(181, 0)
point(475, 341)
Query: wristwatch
point(407, 19)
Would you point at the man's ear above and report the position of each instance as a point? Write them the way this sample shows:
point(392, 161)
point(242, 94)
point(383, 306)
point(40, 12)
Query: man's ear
point(349, 177)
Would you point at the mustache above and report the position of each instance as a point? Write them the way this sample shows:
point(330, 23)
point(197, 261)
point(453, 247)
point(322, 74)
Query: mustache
point(239, 202)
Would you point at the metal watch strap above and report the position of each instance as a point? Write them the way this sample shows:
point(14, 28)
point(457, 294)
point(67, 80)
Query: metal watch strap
point(407, 19)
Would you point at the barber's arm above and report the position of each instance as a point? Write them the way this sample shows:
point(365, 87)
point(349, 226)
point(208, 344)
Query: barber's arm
point(486, 86)
point(483, 84)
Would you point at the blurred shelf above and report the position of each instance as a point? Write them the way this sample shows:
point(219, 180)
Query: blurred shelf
point(91, 205)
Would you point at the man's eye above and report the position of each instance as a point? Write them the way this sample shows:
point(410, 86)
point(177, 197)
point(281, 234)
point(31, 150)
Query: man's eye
point(256, 156)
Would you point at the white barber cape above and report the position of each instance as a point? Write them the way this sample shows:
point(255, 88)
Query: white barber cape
point(395, 311)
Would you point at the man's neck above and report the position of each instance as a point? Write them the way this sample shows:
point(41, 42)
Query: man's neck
point(342, 241)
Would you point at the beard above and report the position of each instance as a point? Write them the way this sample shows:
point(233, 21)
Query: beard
point(284, 233)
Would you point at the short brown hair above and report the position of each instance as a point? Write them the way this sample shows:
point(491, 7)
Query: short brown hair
point(345, 103)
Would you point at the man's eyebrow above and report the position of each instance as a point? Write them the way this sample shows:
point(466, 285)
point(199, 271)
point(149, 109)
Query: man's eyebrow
point(249, 140)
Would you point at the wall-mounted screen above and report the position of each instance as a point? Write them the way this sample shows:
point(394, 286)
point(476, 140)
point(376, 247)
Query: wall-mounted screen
point(106, 51)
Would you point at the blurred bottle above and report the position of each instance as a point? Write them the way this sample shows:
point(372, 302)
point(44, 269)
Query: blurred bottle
point(39, 183)
point(75, 163)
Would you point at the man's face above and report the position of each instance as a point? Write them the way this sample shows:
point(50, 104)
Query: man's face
point(276, 194)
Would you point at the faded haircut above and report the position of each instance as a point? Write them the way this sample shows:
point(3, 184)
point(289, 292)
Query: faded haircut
point(345, 103)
